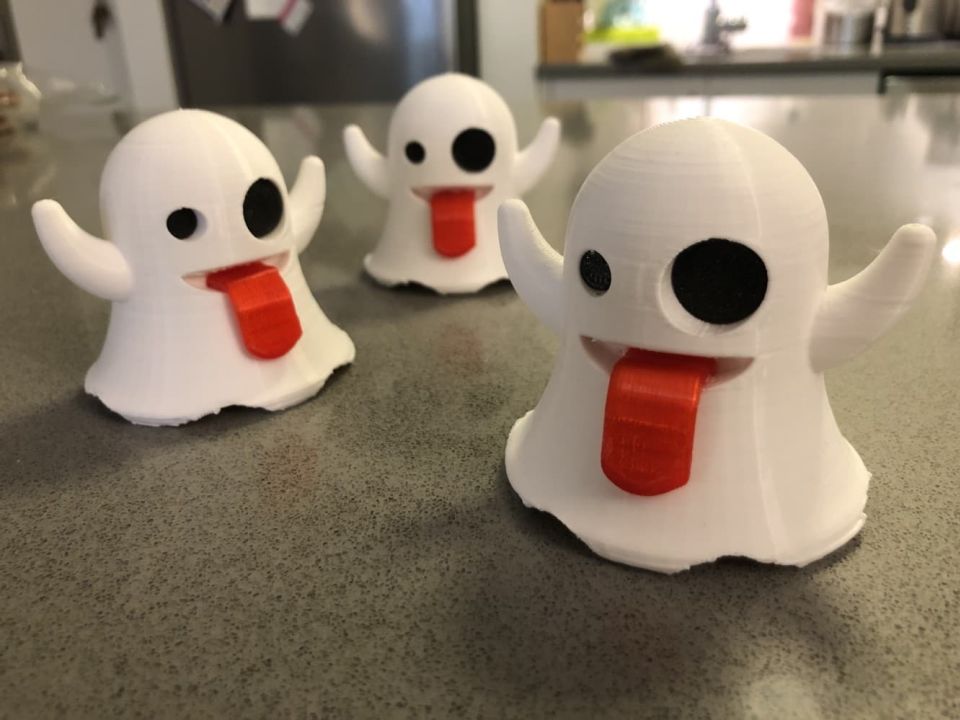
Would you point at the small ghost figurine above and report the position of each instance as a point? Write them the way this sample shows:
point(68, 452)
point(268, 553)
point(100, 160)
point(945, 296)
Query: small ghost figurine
point(210, 307)
point(686, 418)
point(451, 160)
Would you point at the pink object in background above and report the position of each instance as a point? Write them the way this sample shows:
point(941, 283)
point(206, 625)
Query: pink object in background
point(802, 25)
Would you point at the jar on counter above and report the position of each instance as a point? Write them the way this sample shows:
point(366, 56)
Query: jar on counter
point(19, 100)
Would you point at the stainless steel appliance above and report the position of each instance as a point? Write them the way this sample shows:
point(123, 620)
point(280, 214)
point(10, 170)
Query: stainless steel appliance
point(847, 29)
point(919, 20)
point(9, 49)
point(347, 51)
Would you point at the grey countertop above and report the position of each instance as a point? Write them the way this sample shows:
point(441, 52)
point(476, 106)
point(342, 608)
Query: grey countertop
point(362, 555)
point(940, 58)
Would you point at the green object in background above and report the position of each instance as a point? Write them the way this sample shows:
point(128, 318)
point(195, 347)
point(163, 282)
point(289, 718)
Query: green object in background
point(644, 34)
point(623, 21)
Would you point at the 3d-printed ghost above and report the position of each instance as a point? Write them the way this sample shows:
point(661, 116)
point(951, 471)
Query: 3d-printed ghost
point(451, 160)
point(210, 307)
point(694, 296)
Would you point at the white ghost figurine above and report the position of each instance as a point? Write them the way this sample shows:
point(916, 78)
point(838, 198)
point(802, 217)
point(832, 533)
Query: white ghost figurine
point(451, 160)
point(210, 306)
point(686, 418)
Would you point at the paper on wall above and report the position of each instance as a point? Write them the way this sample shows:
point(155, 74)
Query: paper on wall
point(263, 9)
point(217, 9)
point(291, 14)
point(295, 14)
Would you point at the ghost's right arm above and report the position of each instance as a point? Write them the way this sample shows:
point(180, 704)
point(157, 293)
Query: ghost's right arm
point(535, 268)
point(307, 198)
point(369, 165)
point(534, 160)
point(854, 313)
point(93, 264)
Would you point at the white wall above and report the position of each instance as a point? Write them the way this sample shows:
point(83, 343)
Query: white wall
point(132, 61)
point(509, 34)
point(146, 50)
point(508, 41)
point(56, 39)
point(681, 21)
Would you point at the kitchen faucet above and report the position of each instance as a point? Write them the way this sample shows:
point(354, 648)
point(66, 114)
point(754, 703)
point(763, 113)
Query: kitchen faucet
point(716, 28)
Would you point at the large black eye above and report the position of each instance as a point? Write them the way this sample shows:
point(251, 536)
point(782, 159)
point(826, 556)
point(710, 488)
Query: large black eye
point(473, 150)
point(719, 281)
point(182, 223)
point(595, 272)
point(415, 152)
point(262, 207)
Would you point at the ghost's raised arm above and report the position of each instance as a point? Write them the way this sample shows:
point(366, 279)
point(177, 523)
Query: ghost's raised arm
point(369, 165)
point(535, 268)
point(307, 197)
point(93, 264)
point(533, 160)
point(856, 312)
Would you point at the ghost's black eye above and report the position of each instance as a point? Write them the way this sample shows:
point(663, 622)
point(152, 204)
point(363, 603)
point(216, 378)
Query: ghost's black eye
point(415, 152)
point(473, 150)
point(182, 223)
point(595, 272)
point(719, 281)
point(262, 207)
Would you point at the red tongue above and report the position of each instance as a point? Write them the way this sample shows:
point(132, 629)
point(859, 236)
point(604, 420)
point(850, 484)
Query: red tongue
point(649, 420)
point(451, 213)
point(263, 308)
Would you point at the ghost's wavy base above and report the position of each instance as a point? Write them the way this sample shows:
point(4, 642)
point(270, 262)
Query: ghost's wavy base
point(174, 369)
point(669, 565)
point(335, 352)
point(288, 400)
point(446, 277)
point(672, 532)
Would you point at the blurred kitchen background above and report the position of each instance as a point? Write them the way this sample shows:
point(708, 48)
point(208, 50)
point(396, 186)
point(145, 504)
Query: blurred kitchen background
point(152, 55)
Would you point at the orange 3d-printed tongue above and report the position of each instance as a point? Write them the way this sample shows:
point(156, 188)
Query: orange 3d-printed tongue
point(451, 214)
point(650, 416)
point(263, 307)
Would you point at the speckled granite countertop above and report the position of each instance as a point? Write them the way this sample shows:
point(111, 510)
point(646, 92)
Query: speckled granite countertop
point(362, 555)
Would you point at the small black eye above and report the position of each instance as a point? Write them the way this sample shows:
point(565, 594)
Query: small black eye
point(595, 272)
point(415, 152)
point(473, 150)
point(262, 207)
point(182, 223)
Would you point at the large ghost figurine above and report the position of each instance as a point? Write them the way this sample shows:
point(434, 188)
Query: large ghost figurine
point(210, 307)
point(451, 160)
point(686, 418)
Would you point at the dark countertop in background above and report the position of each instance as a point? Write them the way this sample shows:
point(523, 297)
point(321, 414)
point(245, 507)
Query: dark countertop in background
point(362, 555)
point(942, 58)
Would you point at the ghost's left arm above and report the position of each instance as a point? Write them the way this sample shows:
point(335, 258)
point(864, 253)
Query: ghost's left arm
point(854, 313)
point(533, 160)
point(307, 197)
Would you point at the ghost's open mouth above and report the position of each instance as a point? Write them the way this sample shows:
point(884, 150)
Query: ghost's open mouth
point(452, 217)
point(477, 192)
point(198, 279)
point(650, 415)
point(607, 354)
point(262, 306)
